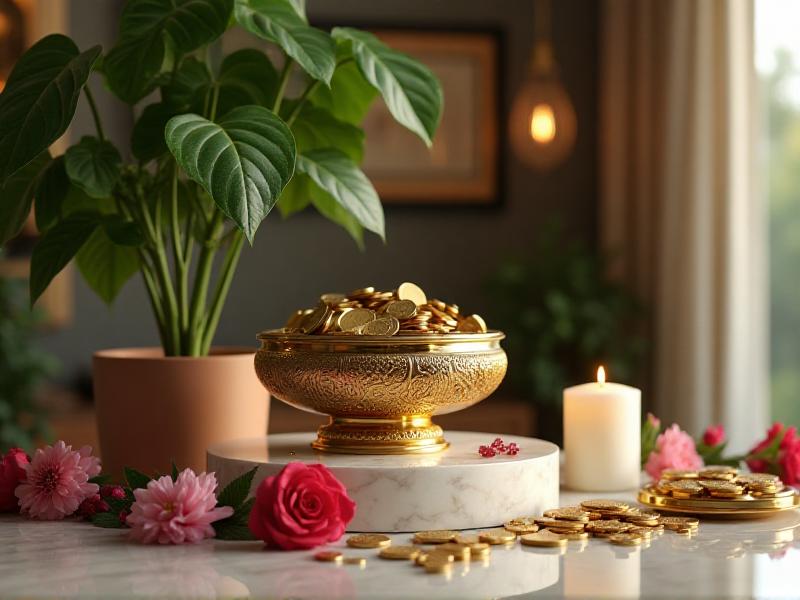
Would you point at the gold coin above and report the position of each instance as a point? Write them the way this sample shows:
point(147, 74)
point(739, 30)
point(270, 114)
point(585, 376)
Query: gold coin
point(399, 552)
point(723, 489)
point(423, 557)
point(572, 536)
point(435, 536)
point(521, 525)
point(472, 324)
point(467, 538)
point(568, 513)
point(479, 550)
point(355, 560)
point(611, 526)
point(605, 505)
point(685, 487)
point(332, 298)
point(559, 523)
point(401, 309)
point(293, 322)
point(543, 539)
point(368, 540)
point(644, 532)
point(361, 292)
point(497, 536)
point(355, 319)
point(759, 478)
point(626, 539)
point(383, 326)
point(437, 565)
point(459, 551)
point(674, 474)
point(329, 556)
point(675, 523)
point(411, 291)
point(317, 317)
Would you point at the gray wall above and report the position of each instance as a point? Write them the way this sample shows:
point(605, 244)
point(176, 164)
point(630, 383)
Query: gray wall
point(448, 252)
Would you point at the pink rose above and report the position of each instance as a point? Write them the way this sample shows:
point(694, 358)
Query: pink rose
point(714, 435)
point(789, 461)
point(759, 462)
point(12, 471)
point(674, 449)
point(301, 507)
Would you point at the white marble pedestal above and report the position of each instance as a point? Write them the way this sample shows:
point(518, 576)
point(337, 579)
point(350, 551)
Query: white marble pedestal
point(454, 489)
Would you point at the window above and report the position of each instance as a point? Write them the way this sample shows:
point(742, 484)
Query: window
point(777, 59)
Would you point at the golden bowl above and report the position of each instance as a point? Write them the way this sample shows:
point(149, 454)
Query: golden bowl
point(381, 392)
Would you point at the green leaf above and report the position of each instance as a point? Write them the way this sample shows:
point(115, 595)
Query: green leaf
point(329, 208)
point(51, 193)
point(246, 77)
point(123, 232)
point(278, 21)
point(100, 479)
point(107, 520)
point(349, 96)
point(412, 93)
point(236, 527)
point(16, 196)
point(93, 165)
point(243, 161)
point(340, 177)
point(39, 99)
point(147, 139)
point(186, 91)
point(175, 472)
point(57, 247)
point(315, 128)
point(136, 479)
point(106, 266)
point(152, 32)
point(295, 196)
point(236, 492)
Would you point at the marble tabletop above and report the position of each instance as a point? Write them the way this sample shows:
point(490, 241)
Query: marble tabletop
point(756, 558)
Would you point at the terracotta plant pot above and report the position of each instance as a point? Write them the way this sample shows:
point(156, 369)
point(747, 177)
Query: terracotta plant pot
point(152, 409)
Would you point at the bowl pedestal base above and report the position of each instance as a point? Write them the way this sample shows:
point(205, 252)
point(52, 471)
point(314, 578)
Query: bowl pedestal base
point(452, 489)
point(405, 435)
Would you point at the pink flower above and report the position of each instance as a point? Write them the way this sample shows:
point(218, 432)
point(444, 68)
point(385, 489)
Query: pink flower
point(91, 506)
point(170, 512)
point(714, 435)
point(112, 491)
point(301, 507)
point(674, 449)
point(789, 461)
point(653, 421)
point(784, 461)
point(12, 472)
point(57, 481)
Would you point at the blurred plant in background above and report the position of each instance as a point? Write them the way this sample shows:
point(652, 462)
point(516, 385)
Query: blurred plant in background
point(22, 369)
point(563, 318)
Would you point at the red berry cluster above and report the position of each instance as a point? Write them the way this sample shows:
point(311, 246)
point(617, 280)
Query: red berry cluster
point(498, 446)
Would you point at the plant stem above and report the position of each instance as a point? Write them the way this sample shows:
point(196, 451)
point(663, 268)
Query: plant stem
point(155, 300)
point(284, 80)
point(221, 293)
point(202, 277)
point(301, 101)
point(95, 113)
point(181, 263)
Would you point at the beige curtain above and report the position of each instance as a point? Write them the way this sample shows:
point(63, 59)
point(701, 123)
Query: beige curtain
point(679, 204)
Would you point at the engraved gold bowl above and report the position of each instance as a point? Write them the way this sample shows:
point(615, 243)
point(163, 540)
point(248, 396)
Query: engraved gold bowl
point(381, 392)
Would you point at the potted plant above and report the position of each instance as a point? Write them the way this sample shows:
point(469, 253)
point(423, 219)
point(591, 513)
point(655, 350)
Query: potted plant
point(217, 144)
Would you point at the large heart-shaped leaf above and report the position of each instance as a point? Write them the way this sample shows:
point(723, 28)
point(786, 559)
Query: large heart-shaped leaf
point(332, 210)
point(57, 247)
point(39, 99)
point(243, 161)
point(340, 177)
point(16, 196)
point(278, 21)
point(106, 266)
point(147, 139)
point(315, 128)
point(93, 165)
point(349, 96)
point(246, 77)
point(186, 89)
point(51, 192)
point(412, 93)
point(151, 32)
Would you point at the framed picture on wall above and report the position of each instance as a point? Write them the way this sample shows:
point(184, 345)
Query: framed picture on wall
point(462, 166)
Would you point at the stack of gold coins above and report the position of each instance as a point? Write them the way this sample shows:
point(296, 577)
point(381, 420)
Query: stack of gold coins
point(718, 482)
point(365, 311)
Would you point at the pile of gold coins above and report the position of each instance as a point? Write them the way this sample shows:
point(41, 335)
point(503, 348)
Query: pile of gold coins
point(404, 311)
point(718, 481)
point(436, 551)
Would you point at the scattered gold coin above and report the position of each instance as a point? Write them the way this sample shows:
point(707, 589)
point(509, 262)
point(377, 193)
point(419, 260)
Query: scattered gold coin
point(626, 539)
point(472, 324)
point(355, 319)
point(368, 540)
point(329, 556)
point(459, 551)
point(676, 523)
point(399, 552)
point(384, 326)
point(411, 291)
point(543, 539)
point(568, 513)
point(521, 525)
point(436, 565)
point(435, 536)
point(497, 536)
point(672, 474)
point(401, 309)
point(572, 536)
point(313, 320)
point(551, 522)
point(605, 505)
point(425, 556)
point(357, 561)
point(467, 538)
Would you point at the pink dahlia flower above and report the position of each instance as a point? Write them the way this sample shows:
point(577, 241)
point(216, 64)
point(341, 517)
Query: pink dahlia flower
point(12, 472)
point(674, 449)
point(174, 512)
point(57, 481)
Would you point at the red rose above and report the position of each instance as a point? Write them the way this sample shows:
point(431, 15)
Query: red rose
point(12, 471)
point(784, 461)
point(714, 435)
point(301, 507)
point(789, 461)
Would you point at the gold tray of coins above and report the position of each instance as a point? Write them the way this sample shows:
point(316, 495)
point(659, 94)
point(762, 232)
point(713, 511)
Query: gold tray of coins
point(719, 490)
point(380, 364)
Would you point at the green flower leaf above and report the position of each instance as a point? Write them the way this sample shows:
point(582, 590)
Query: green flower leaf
point(51, 193)
point(16, 196)
point(340, 177)
point(316, 128)
point(244, 161)
point(236, 492)
point(246, 77)
point(136, 479)
point(236, 527)
point(93, 165)
point(107, 520)
point(412, 93)
point(349, 96)
point(186, 90)
point(152, 32)
point(39, 99)
point(57, 247)
point(279, 21)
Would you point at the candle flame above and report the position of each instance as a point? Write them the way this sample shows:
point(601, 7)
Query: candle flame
point(601, 375)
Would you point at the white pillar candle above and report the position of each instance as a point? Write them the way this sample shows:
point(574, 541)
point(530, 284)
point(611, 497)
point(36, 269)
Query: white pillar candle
point(602, 436)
